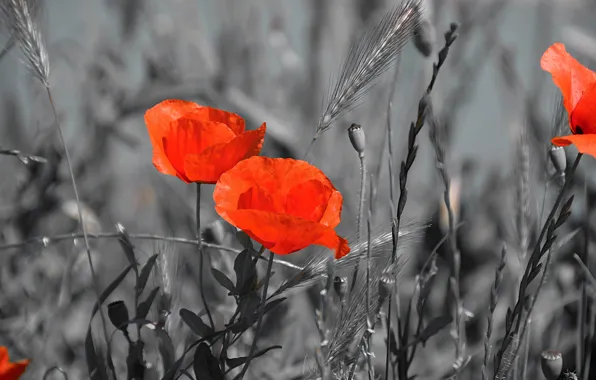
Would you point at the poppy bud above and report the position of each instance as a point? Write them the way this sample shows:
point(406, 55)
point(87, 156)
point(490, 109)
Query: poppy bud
point(118, 314)
point(340, 285)
point(552, 364)
point(558, 158)
point(357, 138)
point(385, 285)
point(424, 38)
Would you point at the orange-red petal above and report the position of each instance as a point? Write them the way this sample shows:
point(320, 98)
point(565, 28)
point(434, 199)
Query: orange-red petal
point(584, 143)
point(284, 234)
point(572, 78)
point(308, 200)
point(584, 115)
point(232, 120)
point(188, 136)
point(11, 371)
point(208, 165)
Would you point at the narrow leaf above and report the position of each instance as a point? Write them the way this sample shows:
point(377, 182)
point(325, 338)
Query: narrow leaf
point(145, 273)
point(236, 362)
point(223, 280)
point(195, 323)
point(206, 365)
point(145, 306)
point(434, 326)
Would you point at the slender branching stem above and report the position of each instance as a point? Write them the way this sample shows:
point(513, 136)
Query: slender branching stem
point(253, 347)
point(512, 330)
point(81, 222)
point(201, 257)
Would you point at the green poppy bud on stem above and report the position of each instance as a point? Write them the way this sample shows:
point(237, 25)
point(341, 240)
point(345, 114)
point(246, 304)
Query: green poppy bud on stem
point(552, 364)
point(357, 138)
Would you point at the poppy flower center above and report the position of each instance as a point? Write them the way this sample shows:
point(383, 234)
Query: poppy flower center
point(579, 130)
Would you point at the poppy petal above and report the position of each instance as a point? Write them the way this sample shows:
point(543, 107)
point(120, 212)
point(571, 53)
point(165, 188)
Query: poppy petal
point(583, 117)
point(284, 234)
point(158, 120)
point(584, 143)
point(308, 200)
point(188, 136)
point(3, 355)
point(258, 198)
point(332, 215)
point(210, 164)
point(572, 78)
point(232, 120)
point(12, 371)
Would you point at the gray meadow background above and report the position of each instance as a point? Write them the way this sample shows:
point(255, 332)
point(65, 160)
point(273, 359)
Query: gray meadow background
point(269, 61)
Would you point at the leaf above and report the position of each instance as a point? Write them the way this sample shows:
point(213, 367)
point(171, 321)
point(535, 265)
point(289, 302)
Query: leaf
point(166, 348)
point(244, 240)
point(223, 280)
point(206, 365)
point(171, 371)
point(95, 364)
point(236, 362)
point(434, 326)
point(127, 246)
point(246, 272)
point(145, 306)
point(95, 371)
point(273, 304)
point(248, 305)
point(195, 323)
point(145, 273)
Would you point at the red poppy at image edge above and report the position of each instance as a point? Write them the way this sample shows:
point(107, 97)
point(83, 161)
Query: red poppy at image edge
point(8, 370)
point(578, 87)
point(197, 143)
point(282, 203)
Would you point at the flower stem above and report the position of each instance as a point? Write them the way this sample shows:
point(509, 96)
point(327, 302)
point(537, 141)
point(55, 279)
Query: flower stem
point(201, 258)
point(260, 320)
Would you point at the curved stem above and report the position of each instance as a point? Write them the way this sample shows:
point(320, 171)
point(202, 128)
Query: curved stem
point(81, 222)
point(253, 347)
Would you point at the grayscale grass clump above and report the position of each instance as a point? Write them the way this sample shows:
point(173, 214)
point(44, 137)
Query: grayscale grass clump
point(18, 18)
point(370, 56)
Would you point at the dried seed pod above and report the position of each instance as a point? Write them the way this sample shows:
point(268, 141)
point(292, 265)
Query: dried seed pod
point(551, 363)
point(340, 285)
point(357, 138)
point(386, 283)
point(424, 37)
point(558, 158)
point(118, 314)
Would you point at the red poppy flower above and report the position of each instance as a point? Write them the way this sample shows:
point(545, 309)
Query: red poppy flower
point(197, 143)
point(284, 204)
point(578, 86)
point(8, 370)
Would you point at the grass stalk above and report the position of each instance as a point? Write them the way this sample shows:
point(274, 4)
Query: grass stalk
point(82, 224)
point(512, 329)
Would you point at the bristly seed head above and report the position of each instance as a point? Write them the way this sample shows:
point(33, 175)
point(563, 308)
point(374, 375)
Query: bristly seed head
point(18, 17)
point(357, 138)
point(551, 363)
point(370, 56)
